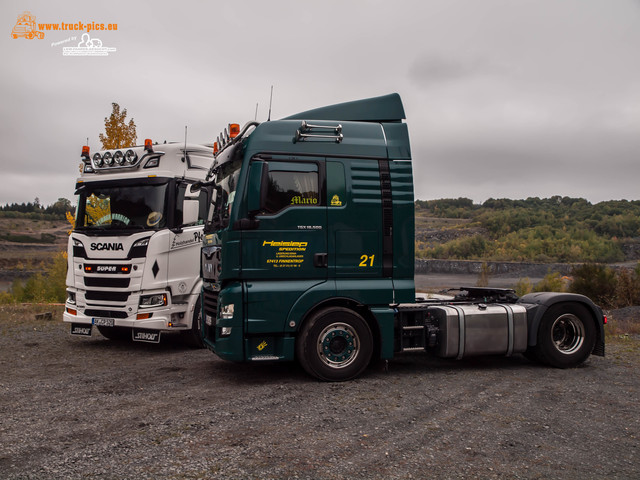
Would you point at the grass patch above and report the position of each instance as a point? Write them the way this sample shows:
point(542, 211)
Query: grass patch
point(15, 316)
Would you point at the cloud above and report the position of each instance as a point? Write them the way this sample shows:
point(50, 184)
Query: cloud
point(432, 69)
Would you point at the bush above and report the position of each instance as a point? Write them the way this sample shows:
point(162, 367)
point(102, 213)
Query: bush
point(523, 287)
point(552, 282)
point(46, 287)
point(597, 282)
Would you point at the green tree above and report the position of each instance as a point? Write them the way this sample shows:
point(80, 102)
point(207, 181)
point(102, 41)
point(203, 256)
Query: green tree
point(118, 133)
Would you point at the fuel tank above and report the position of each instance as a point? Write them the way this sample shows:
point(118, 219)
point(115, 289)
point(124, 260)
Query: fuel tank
point(479, 329)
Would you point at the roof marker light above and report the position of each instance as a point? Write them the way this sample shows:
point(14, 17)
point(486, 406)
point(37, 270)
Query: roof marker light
point(215, 147)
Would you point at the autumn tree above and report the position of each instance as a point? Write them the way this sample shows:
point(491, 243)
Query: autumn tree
point(118, 133)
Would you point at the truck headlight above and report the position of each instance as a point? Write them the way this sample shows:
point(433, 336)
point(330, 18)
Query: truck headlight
point(141, 243)
point(155, 300)
point(71, 298)
point(226, 312)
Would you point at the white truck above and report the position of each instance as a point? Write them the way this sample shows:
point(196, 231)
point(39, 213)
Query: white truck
point(134, 252)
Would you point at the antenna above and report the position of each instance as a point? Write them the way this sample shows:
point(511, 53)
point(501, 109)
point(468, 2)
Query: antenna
point(255, 118)
point(270, 101)
point(184, 159)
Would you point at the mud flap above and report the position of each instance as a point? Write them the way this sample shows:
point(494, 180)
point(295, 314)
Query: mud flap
point(141, 335)
point(81, 329)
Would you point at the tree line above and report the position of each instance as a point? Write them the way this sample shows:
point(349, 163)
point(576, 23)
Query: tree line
point(555, 229)
point(56, 210)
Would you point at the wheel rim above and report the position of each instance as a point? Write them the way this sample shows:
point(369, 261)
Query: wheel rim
point(567, 333)
point(338, 345)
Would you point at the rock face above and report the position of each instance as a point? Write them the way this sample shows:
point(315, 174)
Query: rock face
point(465, 267)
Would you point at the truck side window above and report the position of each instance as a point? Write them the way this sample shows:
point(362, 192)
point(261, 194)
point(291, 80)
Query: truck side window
point(292, 184)
point(181, 194)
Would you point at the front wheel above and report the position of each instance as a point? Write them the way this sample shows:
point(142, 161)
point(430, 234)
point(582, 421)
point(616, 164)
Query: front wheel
point(193, 337)
point(566, 336)
point(335, 344)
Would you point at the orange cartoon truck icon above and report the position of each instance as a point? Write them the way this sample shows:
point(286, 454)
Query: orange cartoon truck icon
point(26, 27)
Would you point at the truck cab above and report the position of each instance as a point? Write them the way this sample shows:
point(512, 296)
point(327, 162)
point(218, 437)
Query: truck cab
point(309, 255)
point(133, 255)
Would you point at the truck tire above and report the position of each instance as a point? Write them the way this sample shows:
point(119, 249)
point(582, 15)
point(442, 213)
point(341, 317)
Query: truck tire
point(193, 337)
point(335, 344)
point(115, 333)
point(566, 336)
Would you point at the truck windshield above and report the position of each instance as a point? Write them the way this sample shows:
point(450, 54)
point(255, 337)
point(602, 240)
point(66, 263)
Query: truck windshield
point(122, 207)
point(224, 193)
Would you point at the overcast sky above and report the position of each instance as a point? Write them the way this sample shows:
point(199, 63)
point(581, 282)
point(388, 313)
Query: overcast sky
point(504, 98)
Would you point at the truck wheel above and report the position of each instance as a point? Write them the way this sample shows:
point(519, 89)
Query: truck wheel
point(115, 333)
point(193, 337)
point(566, 336)
point(335, 345)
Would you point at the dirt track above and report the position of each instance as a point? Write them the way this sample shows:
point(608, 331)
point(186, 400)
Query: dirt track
point(82, 408)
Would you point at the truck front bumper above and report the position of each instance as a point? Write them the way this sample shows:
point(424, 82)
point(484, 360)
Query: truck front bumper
point(168, 319)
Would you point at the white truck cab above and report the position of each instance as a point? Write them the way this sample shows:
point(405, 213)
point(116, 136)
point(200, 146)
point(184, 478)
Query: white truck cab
point(134, 252)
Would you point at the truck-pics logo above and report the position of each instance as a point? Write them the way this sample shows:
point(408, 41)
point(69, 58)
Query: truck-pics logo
point(88, 47)
point(26, 27)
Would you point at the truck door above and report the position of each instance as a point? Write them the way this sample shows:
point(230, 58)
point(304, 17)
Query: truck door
point(291, 239)
point(286, 255)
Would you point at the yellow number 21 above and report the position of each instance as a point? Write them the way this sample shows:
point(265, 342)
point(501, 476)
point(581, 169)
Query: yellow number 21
point(366, 260)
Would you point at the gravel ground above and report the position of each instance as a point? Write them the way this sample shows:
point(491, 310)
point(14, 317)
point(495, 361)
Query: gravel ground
point(88, 407)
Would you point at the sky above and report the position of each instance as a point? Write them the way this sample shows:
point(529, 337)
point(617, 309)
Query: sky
point(503, 98)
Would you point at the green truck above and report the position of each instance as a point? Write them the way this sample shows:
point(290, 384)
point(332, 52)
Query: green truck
point(309, 255)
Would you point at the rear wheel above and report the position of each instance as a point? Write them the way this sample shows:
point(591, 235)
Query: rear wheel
point(335, 344)
point(566, 336)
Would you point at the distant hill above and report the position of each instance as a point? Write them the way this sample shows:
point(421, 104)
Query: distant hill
point(556, 229)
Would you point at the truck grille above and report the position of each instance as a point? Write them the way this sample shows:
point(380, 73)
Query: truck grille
point(106, 282)
point(89, 312)
point(210, 300)
point(108, 296)
point(210, 303)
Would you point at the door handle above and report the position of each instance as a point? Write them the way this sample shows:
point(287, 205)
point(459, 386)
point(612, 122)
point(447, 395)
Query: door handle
point(321, 260)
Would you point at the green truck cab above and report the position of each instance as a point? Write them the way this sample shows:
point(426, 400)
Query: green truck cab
point(309, 255)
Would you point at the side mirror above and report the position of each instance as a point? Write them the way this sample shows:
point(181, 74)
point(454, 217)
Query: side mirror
point(257, 187)
point(190, 209)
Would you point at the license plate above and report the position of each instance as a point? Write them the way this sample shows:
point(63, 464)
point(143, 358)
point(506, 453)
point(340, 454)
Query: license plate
point(104, 322)
point(150, 336)
point(81, 329)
